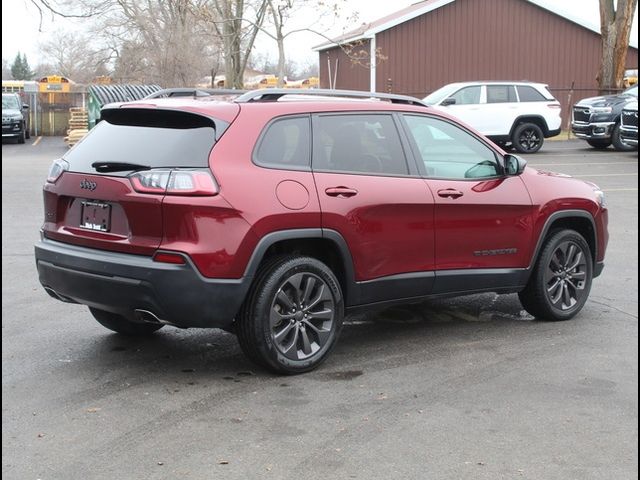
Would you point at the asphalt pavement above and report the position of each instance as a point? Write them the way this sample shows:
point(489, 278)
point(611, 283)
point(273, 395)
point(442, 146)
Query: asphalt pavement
point(469, 388)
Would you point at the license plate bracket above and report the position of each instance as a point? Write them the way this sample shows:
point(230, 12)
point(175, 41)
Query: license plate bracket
point(95, 216)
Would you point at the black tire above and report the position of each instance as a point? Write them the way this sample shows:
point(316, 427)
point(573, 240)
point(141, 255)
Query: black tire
point(21, 137)
point(599, 144)
point(27, 133)
point(293, 315)
point(561, 278)
point(527, 138)
point(121, 325)
point(618, 144)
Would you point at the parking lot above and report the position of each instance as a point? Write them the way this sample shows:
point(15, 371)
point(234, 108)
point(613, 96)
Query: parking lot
point(469, 388)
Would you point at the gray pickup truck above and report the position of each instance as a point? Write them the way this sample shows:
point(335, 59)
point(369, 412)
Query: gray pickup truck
point(597, 119)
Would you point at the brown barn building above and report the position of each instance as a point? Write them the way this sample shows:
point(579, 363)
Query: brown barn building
point(435, 42)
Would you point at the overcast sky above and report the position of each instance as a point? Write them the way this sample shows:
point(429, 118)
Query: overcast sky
point(20, 22)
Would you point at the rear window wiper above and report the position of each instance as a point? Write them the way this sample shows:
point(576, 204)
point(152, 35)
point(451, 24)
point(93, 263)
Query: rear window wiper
point(103, 167)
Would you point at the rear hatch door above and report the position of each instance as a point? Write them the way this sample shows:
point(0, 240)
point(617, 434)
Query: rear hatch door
point(94, 204)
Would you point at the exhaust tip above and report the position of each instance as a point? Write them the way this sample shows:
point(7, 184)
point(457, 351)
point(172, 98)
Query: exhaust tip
point(149, 317)
point(52, 293)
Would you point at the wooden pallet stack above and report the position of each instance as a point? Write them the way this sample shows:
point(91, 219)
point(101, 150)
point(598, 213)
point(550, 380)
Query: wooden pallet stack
point(78, 125)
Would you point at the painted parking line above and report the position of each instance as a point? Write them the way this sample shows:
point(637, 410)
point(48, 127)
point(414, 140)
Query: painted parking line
point(37, 141)
point(579, 164)
point(551, 156)
point(610, 175)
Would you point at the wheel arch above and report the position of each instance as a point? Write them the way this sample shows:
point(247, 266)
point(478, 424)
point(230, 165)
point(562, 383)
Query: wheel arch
point(535, 119)
point(579, 220)
point(328, 246)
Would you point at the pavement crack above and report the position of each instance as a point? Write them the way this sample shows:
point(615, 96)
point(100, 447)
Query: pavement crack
point(614, 307)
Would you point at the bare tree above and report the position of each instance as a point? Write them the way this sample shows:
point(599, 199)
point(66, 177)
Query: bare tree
point(236, 24)
point(615, 27)
point(73, 56)
point(265, 64)
point(281, 12)
point(160, 41)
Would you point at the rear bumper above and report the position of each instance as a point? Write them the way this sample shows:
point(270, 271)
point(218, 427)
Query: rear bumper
point(124, 283)
point(553, 133)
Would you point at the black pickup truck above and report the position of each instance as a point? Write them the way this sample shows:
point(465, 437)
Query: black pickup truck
point(597, 119)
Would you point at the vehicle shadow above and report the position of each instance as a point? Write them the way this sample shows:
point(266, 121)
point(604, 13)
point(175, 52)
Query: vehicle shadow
point(175, 357)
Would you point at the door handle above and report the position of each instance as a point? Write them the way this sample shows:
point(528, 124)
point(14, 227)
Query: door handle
point(450, 193)
point(341, 192)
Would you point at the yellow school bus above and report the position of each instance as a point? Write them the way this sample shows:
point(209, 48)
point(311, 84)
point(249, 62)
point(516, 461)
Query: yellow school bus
point(54, 84)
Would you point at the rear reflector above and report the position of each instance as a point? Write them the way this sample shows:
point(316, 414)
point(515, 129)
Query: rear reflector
point(175, 182)
point(58, 167)
point(166, 257)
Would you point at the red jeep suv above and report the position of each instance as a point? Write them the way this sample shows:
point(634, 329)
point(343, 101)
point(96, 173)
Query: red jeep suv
point(274, 213)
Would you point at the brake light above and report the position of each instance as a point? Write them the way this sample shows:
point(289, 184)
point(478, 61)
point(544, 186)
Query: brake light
point(553, 105)
point(58, 167)
point(175, 182)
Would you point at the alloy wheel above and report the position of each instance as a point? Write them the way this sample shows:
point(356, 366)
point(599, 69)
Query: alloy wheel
point(529, 139)
point(302, 316)
point(566, 276)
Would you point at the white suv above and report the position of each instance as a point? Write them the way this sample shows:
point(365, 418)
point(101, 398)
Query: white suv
point(520, 114)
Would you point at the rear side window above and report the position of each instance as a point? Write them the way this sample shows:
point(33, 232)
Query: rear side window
point(158, 139)
point(529, 94)
point(285, 144)
point(501, 94)
point(367, 144)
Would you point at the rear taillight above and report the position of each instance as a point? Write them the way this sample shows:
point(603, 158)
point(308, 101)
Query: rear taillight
point(58, 167)
point(553, 105)
point(175, 182)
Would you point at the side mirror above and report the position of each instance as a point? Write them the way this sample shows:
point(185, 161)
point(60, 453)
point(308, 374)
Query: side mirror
point(25, 106)
point(514, 165)
point(448, 101)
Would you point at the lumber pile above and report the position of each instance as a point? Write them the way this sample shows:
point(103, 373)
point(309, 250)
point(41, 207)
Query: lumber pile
point(78, 125)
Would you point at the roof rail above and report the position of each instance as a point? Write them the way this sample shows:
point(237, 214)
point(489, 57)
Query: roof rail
point(274, 94)
point(193, 92)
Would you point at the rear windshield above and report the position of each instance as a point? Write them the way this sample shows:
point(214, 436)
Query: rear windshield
point(157, 139)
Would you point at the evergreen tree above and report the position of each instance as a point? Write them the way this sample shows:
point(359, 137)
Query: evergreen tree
point(20, 69)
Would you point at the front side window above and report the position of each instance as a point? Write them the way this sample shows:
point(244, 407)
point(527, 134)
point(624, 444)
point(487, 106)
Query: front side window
point(285, 144)
point(449, 152)
point(501, 94)
point(367, 144)
point(467, 96)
